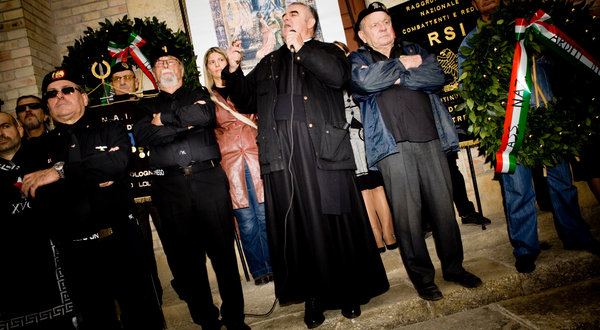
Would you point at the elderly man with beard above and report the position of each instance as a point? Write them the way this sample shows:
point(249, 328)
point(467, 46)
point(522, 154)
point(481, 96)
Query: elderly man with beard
point(191, 192)
point(32, 115)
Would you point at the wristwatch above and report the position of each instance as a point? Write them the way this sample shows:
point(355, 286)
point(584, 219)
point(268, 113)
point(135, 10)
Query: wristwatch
point(59, 169)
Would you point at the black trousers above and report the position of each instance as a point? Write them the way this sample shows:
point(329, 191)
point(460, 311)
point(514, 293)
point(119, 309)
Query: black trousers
point(415, 178)
point(196, 219)
point(143, 213)
point(113, 269)
point(461, 200)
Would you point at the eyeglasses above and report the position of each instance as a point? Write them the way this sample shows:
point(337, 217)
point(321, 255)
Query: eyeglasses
point(32, 106)
point(65, 91)
point(128, 77)
point(166, 63)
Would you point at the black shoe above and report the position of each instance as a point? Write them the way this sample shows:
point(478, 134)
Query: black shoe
point(351, 311)
point(430, 292)
point(213, 325)
point(475, 219)
point(465, 279)
point(313, 314)
point(392, 246)
point(263, 279)
point(381, 249)
point(234, 325)
point(592, 247)
point(525, 263)
point(427, 234)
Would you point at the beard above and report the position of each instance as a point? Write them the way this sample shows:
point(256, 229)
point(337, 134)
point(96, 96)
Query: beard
point(168, 80)
point(32, 124)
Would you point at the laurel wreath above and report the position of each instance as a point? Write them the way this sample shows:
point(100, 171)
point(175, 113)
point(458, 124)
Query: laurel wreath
point(556, 131)
point(92, 48)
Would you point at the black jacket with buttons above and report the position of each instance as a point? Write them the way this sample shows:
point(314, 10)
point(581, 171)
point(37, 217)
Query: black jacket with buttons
point(324, 71)
point(187, 126)
point(77, 204)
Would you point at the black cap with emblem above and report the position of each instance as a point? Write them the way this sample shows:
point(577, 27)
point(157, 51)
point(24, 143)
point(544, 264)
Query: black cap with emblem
point(166, 48)
point(373, 7)
point(121, 66)
point(62, 74)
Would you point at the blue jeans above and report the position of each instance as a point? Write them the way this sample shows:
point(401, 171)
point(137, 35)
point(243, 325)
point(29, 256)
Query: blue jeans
point(253, 232)
point(521, 214)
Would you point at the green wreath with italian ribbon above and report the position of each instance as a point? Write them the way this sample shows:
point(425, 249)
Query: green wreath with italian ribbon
point(554, 131)
point(93, 48)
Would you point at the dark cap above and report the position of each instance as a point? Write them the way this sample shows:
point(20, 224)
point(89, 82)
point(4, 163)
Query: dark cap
point(121, 66)
point(61, 74)
point(165, 48)
point(373, 7)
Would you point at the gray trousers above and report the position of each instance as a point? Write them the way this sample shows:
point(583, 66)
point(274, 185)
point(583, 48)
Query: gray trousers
point(419, 188)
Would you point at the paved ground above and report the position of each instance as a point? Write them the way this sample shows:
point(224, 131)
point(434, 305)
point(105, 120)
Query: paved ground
point(562, 293)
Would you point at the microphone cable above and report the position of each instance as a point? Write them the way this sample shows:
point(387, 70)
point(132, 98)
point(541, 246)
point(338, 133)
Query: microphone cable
point(289, 168)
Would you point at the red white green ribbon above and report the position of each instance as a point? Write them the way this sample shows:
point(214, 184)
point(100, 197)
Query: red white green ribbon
point(520, 81)
point(120, 54)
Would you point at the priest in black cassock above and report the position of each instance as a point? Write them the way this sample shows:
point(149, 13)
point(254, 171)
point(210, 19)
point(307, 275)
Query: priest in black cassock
point(322, 248)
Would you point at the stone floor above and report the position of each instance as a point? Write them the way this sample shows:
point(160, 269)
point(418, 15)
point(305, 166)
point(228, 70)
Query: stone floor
point(565, 284)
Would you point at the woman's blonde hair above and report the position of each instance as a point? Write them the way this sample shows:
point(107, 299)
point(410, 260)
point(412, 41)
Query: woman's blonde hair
point(209, 81)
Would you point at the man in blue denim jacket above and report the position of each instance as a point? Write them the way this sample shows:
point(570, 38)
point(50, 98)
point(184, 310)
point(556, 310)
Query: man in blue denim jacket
point(518, 190)
point(407, 130)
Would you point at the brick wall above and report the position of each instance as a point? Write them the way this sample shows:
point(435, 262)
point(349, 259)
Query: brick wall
point(34, 35)
point(27, 46)
point(72, 17)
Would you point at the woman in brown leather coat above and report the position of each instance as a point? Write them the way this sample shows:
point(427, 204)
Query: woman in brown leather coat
point(236, 134)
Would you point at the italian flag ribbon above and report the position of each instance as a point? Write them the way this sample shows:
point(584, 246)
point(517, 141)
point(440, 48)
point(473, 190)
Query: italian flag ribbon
point(520, 81)
point(120, 53)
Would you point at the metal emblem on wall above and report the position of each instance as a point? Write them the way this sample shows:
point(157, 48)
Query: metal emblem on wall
point(439, 26)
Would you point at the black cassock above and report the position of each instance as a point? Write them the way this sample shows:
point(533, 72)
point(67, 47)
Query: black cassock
point(323, 247)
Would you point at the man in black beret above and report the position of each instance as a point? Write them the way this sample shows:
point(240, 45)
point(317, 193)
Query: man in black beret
point(82, 187)
point(123, 109)
point(123, 81)
point(191, 192)
point(407, 132)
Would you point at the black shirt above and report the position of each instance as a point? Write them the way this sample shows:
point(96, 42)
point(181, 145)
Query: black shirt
point(187, 134)
point(406, 113)
point(76, 205)
point(124, 111)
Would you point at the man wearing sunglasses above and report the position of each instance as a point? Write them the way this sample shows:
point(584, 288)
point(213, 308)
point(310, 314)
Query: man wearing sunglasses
point(191, 192)
point(123, 81)
point(122, 109)
point(83, 188)
point(32, 115)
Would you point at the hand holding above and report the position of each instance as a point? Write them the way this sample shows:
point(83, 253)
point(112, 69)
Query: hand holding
point(294, 41)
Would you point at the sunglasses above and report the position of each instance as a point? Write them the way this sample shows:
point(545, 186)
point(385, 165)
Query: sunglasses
point(32, 106)
point(125, 78)
point(65, 91)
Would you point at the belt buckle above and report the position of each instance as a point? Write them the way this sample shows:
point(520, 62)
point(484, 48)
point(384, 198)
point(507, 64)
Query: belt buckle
point(187, 170)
